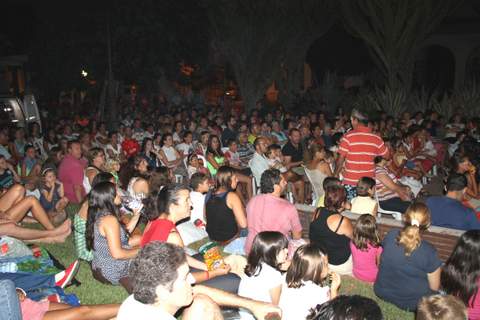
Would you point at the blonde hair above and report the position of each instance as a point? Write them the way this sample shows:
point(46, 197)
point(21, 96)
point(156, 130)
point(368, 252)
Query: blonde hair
point(438, 307)
point(416, 219)
point(110, 163)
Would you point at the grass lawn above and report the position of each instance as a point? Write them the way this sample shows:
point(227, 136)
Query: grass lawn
point(94, 292)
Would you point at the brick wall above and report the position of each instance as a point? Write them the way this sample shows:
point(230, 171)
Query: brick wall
point(443, 239)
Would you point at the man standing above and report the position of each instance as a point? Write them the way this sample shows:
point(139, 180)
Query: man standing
point(161, 283)
point(448, 211)
point(357, 150)
point(269, 212)
point(71, 172)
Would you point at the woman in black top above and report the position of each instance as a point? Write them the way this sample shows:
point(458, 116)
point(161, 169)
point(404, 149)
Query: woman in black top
point(332, 231)
point(224, 210)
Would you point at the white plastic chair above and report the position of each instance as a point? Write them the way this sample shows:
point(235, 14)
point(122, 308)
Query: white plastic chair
point(396, 215)
point(315, 193)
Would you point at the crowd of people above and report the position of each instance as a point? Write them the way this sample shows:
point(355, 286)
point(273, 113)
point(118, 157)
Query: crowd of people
point(164, 181)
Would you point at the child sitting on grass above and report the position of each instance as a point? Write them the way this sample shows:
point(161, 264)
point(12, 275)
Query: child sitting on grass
point(366, 249)
point(364, 202)
point(308, 283)
point(52, 197)
point(263, 280)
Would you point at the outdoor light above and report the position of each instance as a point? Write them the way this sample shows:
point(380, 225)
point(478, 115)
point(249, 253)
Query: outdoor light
point(84, 73)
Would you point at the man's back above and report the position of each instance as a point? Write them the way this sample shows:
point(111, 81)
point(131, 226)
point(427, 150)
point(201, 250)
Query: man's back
point(266, 212)
point(360, 147)
point(450, 213)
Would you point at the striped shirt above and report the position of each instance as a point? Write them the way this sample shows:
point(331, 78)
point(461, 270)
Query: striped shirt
point(360, 147)
point(384, 193)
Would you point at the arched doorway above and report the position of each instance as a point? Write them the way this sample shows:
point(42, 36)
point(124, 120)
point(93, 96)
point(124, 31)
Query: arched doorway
point(473, 66)
point(435, 68)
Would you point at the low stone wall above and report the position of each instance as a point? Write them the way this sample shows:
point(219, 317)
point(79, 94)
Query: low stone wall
point(443, 239)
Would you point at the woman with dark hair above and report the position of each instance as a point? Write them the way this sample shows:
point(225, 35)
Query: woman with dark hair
point(113, 149)
point(331, 230)
point(112, 247)
point(409, 266)
point(215, 156)
point(460, 163)
point(226, 219)
point(80, 220)
point(391, 194)
point(164, 209)
point(149, 154)
point(461, 273)
point(96, 162)
point(170, 157)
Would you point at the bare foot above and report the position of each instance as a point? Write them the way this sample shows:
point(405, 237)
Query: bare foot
point(63, 228)
point(61, 238)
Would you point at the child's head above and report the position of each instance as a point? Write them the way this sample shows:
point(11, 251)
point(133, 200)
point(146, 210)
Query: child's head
point(309, 263)
point(366, 232)
point(331, 181)
point(273, 151)
point(441, 307)
point(199, 182)
point(232, 145)
point(49, 175)
point(268, 247)
point(193, 160)
point(112, 165)
point(30, 151)
point(366, 187)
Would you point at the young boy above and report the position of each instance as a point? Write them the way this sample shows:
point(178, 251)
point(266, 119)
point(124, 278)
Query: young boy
point(194, 229)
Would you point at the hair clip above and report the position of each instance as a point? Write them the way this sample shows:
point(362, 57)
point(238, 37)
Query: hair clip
point(415, 222)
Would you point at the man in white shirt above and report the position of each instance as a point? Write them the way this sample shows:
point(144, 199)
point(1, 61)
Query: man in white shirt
point(161, 283)
point(259, 163)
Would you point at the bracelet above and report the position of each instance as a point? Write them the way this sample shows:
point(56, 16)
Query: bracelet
point(208, 274)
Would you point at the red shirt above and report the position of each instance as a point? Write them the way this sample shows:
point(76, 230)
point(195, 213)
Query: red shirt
point(360, 147)
point(157, 230)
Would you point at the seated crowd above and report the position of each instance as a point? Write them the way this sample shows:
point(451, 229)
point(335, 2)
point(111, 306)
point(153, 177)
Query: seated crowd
point(148, 193)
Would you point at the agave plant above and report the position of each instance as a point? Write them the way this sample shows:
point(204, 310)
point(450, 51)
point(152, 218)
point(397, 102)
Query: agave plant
point(467, 99)
point(444, 106)
point(393, 101)
point(422, 100)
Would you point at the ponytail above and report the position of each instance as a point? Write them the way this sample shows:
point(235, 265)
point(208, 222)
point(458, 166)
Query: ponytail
point(417, 219)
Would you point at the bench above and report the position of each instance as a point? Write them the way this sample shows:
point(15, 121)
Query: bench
point(443, 239)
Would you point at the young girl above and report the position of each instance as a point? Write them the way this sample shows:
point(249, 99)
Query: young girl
point(366, 249)
point(364, 202)
point(52, 197)
point(307, 283)
point(113, 167)
point(263, 280)
point(195, 166)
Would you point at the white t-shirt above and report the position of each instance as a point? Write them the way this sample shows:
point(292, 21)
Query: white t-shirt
point(132, 309)
point(198, 203)
point(258, 287)
point(185, 148)
point(297, 302)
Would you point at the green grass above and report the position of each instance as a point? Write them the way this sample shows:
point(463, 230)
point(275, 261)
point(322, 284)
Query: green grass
point(94, 292)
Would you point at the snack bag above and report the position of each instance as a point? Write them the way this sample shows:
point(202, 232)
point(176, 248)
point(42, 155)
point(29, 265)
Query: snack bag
point(211, 255)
